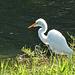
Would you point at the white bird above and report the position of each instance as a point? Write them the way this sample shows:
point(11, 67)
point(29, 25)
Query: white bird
point(54, 38)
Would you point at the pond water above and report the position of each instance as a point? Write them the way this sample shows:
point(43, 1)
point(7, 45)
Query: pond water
point(17, 15)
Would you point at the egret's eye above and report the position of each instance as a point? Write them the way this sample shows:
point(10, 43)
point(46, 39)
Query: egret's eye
point(36, 22)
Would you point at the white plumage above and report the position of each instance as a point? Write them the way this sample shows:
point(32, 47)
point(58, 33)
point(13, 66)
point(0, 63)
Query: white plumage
point(54, 38)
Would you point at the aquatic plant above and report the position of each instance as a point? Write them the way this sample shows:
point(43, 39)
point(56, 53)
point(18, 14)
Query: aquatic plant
point(37, 63)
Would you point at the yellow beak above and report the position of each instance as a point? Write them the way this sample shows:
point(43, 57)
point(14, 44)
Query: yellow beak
point(32, 25)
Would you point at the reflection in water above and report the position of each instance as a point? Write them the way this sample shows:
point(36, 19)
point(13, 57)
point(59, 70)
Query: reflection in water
point(16, 16)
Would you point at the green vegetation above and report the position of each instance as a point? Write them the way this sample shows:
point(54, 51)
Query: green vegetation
point(37, 63)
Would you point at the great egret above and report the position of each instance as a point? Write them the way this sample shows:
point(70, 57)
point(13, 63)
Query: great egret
point(54, 38)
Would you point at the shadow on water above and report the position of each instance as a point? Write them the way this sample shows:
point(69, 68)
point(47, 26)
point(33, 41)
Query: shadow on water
point(16, 16)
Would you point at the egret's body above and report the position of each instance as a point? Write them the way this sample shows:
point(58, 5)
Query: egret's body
point(54, 38)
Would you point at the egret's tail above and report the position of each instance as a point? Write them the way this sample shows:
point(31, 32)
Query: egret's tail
point(70, 52)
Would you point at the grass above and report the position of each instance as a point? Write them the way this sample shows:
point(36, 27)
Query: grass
point(37, 63)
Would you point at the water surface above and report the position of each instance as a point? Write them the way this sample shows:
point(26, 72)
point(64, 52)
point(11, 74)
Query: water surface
point(16, 16)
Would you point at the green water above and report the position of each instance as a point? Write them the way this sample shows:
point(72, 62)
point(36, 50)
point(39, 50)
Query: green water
point(17, 15)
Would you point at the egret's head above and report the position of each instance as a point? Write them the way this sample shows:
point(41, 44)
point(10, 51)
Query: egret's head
point(40, 22)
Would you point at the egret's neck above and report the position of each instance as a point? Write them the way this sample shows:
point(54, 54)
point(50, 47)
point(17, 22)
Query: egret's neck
point(41, 34)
